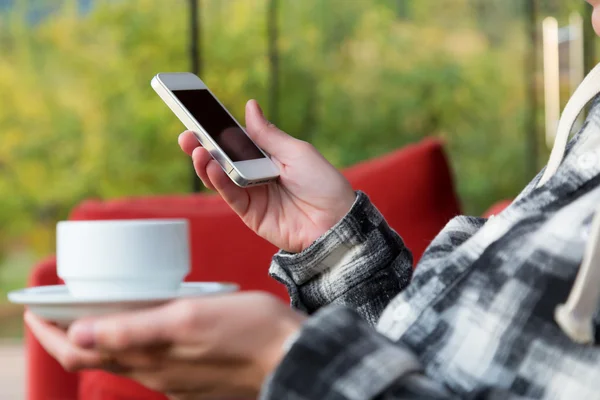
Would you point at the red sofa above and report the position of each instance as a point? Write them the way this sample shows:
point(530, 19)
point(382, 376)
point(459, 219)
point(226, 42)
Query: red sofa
point(412, 187)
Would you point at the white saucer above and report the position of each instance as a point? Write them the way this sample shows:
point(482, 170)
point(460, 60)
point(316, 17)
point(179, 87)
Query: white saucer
point(56, 304)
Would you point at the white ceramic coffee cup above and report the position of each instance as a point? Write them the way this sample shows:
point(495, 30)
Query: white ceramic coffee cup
point(122, 257)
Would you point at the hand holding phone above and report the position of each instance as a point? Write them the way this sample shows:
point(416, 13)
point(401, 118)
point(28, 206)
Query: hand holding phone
point(215, 128)
point(309, 197)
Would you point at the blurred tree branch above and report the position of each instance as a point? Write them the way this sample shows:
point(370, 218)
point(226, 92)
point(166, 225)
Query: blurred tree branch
point(531, 67)
point(273, 50)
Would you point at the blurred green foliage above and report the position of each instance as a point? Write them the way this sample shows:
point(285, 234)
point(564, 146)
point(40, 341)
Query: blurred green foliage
point(78, 118)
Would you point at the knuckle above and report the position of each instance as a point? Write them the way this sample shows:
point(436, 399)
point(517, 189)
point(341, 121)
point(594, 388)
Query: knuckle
point(304, 146)
point(70, 361)
point(118, 337)
point(259, 131)
point(186, 315)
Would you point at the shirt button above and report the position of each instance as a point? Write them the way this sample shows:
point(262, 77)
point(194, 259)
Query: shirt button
point(401, 312)
point(587, 160)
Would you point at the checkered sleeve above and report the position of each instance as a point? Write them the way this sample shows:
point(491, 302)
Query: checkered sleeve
point(360, 263)
point(339, 356)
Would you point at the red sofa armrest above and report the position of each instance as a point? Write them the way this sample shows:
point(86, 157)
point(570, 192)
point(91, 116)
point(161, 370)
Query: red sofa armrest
point(46, 379)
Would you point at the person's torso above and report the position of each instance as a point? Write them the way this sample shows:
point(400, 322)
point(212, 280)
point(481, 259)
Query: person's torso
point(483, 315)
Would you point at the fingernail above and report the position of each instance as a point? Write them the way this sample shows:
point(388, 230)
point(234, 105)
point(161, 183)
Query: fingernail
point(196, 150)
point(83, 334)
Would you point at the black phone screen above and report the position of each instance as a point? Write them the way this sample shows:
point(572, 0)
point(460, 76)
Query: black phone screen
point(218, 124)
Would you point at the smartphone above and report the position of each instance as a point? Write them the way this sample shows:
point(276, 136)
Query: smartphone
point(215, 128)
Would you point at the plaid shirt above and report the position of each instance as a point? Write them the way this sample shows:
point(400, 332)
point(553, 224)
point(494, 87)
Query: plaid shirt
point(475, 321)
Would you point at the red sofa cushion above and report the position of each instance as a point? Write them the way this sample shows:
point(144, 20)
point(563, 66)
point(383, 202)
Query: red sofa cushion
point(412, 187)
point(497, 208)
point(46, 379)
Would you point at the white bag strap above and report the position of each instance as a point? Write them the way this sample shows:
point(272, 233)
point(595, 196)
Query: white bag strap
point(576, 316)
point(586, 91)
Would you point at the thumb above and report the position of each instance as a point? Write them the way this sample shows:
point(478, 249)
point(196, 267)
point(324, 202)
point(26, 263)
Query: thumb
point(266, 135)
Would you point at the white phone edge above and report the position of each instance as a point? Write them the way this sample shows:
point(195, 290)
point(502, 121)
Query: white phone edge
point(242, 173)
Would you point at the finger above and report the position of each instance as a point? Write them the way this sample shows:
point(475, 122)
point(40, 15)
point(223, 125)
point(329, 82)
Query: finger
point(55, 342)
point(199, 380)
point(188, 142)
point(146, 359)
point(266, 135)
point(200, 158)
point(174, 378)
point(236, 197)
point(126, 331)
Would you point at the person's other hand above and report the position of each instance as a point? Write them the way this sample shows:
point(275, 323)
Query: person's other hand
point(222, 346)
point(309, 197)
